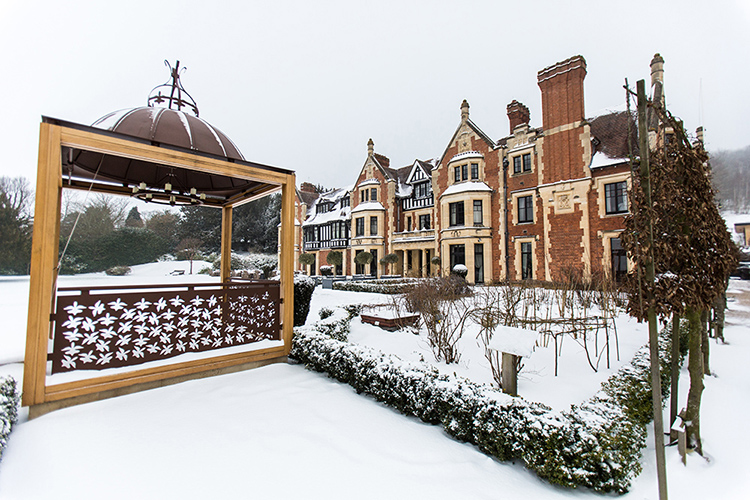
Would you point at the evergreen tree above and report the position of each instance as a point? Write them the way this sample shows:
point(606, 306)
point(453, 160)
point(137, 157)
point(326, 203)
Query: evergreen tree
point(15, 225)
point(134, 218)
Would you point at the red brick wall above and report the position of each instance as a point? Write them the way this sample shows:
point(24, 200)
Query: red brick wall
point(565, 238)
point(563, 104)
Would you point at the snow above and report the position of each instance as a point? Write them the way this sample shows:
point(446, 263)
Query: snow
point(466, 155)
point(283, 431)
point(189, 132)
point(602, 160)
point(465, 187)
point(518, 341)
point(368, 206)
point(341, 214)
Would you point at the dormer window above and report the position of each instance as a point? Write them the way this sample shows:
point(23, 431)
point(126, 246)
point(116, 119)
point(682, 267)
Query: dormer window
point(422, 190)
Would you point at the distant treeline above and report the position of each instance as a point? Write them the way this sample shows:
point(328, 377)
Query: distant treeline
point(106, 231)
point(731, 177)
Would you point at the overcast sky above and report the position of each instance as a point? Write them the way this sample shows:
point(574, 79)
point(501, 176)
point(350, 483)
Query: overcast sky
point(303, 84)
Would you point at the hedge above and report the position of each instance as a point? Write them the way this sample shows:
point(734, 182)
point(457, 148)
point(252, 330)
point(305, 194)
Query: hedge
point(596, 444)
point(10, 400)
point(388, 286)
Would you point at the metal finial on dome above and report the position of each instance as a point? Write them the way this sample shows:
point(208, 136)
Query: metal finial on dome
point(178, 96)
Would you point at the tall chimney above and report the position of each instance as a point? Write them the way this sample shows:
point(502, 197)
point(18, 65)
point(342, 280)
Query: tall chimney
point(657, 78)
point(464, 112)
point(370, 147)
point(562, 92)
point(518, 114)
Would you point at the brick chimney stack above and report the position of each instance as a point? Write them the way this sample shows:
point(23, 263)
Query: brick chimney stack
point(562, 92)
point(307, 188)
point(563, 120)
point(518, 114)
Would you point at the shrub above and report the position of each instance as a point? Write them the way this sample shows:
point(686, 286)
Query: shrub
point(460, 270)
point(326, 270)
point(596, 444)
point(118, 271)
point(304, 287)
point(10, 400)
point(325, 312)
point(389, 286)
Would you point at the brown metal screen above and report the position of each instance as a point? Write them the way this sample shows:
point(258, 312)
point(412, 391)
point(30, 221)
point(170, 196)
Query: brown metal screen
point(111, 327)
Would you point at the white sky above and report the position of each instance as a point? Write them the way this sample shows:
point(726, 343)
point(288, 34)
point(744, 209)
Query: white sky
point(304, 84)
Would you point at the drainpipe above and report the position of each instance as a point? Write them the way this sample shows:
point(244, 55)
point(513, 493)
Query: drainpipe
point(506, 163)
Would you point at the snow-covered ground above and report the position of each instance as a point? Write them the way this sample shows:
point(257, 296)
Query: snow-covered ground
point(286, 432)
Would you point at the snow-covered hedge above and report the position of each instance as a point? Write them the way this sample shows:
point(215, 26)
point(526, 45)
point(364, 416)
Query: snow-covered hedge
point(596, 444)
point(389, 286)
point(304, 286)
point(10, 399)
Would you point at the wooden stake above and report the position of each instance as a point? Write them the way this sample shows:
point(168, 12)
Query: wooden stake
point(653, 335)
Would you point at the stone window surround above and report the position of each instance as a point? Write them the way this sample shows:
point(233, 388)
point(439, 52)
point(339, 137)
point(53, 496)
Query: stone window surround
point(467, 164)
point(601, 200)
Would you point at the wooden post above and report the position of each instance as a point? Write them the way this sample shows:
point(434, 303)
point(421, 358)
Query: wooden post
point(286, 260)
point(44, 254)
point(509, 374)
point(226, 243)
point(653, 334)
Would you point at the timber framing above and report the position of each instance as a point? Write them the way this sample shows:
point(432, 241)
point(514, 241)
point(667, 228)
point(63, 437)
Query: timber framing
point(253, 180)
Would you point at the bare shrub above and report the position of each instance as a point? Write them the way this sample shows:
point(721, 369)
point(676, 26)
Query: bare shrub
point(444, 308)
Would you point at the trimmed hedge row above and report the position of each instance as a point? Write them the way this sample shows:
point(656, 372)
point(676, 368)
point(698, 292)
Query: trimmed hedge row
point(10, 400)
point(596, 444)
point(389, 286)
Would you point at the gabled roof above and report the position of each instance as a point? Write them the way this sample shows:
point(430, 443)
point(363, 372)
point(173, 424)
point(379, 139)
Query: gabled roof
point(476, 130)
point(418, 165)
point(307, 197)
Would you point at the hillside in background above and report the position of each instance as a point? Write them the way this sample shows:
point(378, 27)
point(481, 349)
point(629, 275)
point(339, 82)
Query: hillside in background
point(731, 172)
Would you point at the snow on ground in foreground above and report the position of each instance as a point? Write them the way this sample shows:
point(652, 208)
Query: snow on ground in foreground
point(286, 432)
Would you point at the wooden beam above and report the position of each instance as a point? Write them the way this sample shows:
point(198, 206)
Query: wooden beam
point(109, 382)
point(44, 255)
point(226, 244)
point(100, 143)
point(286, 260)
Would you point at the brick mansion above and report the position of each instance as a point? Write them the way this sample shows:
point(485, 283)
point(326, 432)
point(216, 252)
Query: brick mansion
point(531, 205)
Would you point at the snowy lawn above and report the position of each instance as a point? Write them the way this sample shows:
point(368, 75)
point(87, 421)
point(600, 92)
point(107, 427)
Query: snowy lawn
point(287, 432)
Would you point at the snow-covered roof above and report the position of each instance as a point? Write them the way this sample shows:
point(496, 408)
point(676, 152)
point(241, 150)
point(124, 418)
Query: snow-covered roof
point(601, 159)
point(342, 214)
point(404, 190)
point(368, 206)
point(465, 155)
point(465, 187)
point(518, 341)
point(369, 182)
point(334, 195)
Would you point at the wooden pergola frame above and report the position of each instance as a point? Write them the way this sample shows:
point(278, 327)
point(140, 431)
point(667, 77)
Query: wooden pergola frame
point(54, 136)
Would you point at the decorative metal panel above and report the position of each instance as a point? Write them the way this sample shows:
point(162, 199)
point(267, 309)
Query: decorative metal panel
point(110, 327)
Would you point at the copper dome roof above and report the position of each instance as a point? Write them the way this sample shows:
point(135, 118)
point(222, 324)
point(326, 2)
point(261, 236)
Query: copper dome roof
point(173, 127)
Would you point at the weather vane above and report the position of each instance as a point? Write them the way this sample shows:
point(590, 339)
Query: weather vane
point(178, 96)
